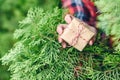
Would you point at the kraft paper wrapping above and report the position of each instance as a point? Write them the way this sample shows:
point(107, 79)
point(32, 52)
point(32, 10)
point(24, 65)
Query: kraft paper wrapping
point(79, 28)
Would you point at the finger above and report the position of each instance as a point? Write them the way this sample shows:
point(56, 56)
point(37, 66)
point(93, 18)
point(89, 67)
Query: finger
point(64, 44)
point(61, 28)
point(68, 18)
point(60, 40)
point(92, 41)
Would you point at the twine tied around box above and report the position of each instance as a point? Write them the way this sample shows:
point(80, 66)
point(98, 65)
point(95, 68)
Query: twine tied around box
point(78, 33)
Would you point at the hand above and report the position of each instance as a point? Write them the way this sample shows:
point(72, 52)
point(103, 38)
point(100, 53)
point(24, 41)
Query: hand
point(61, 27)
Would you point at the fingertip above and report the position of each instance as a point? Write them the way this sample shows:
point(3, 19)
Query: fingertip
point(59, 30)
point(68, 18)
point(91, 43)
point(63, 44)
point(60, 39)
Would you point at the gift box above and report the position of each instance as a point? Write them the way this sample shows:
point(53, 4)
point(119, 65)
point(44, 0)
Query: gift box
point(77, 34)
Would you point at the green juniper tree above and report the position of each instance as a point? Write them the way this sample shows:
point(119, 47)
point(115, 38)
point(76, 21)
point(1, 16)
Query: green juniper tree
point(110, 19)
point(11, 12)
point(37, 55)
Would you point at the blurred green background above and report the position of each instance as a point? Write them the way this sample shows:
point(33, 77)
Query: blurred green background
point(11, 12)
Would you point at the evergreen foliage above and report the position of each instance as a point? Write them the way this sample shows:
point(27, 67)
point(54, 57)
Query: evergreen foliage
point(37, 55)
point(110, 19)
point(12, 11)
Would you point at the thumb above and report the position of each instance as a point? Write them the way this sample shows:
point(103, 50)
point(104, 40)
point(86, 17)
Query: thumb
point(68, 18)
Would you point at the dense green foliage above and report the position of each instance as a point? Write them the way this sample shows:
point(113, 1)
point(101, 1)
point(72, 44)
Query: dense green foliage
point(37, 55)
point(110, 19)
point(12, 11)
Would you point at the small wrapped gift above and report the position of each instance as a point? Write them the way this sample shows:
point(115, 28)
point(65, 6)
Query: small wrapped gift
point(77, 34)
